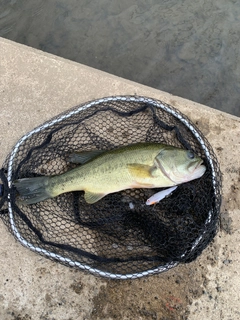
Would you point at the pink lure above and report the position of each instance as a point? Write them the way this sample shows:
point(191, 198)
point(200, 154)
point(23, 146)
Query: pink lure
point(159, 196)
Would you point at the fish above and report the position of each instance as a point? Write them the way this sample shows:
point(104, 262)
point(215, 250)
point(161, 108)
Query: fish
point(159, 196)
point(139, 165)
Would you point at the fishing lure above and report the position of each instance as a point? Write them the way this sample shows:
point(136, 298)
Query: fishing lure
point(160, 195)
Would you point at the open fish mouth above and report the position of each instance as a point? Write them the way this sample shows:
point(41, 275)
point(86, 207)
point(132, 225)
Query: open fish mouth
point(199, 170)
point(199, 164)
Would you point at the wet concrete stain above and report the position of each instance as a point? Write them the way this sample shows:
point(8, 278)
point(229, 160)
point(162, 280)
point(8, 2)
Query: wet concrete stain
point(77, 287)
point(17, 316)
point(203, 125)
point(226, 222)
point(162, 297)
point(208, 128)
point(231, 201)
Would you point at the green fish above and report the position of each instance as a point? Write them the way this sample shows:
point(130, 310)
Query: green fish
point(141, 165)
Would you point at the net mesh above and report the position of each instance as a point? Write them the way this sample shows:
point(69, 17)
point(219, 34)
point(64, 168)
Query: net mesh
point(119, 236)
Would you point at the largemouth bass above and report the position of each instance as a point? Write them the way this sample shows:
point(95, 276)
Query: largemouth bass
point(141, 165)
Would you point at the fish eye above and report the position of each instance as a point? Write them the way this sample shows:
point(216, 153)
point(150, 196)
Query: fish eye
point(190, 154)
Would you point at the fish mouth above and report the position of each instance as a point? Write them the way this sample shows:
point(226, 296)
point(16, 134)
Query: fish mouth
point(199, 170)
point(200, 165)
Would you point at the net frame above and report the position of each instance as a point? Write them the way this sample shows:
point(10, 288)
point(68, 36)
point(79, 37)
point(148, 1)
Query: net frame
point(216, 183)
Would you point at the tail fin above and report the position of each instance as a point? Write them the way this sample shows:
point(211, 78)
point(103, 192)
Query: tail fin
point(32, 190)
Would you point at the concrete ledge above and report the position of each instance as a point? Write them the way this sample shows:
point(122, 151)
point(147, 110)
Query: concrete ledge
point(34, 86)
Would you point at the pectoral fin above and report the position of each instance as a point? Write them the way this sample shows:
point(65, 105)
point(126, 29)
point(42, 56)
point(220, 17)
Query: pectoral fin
point(141, 170)
point(92, 197)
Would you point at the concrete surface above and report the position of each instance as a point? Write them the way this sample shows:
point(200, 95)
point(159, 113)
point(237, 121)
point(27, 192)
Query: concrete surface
point(35, 86)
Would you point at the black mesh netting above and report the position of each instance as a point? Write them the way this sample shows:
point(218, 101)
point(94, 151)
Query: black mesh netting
point(119, 236)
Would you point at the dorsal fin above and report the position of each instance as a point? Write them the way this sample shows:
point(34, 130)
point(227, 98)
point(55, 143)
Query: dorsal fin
point(84, 156)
